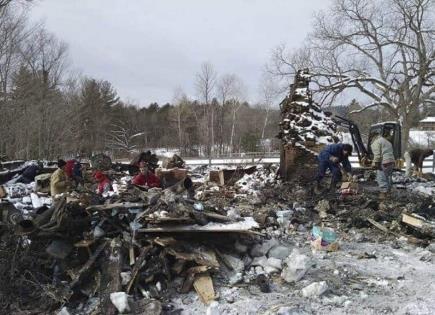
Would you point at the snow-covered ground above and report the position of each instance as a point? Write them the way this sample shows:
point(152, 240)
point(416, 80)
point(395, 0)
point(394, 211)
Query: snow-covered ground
point(399, 280)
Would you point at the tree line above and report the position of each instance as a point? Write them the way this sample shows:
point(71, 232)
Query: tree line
point(46, 112)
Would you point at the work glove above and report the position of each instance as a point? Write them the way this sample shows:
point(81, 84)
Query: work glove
point(346, 176)
point(333, 159)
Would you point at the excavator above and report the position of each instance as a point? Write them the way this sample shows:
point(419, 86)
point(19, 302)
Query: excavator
point(389, 130)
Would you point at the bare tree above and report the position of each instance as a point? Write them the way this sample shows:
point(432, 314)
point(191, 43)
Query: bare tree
point(12, 33)
point(6, 3)
point(12, 25)
point(383, 50)
point(269, 91)
point(45, 55)
point(231, 90)
point(225, 89)
point(205, 88)
point(122, 137)
point(180, 101)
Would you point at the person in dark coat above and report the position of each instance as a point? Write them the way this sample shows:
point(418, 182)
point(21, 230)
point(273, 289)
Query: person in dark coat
point(330, 158)
point(29, 174)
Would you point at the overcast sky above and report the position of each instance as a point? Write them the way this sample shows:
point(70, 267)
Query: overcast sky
point(147, 48)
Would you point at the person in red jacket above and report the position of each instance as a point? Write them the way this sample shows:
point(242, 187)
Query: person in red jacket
point(104, 183)
point(146, 177)
point(69, 168)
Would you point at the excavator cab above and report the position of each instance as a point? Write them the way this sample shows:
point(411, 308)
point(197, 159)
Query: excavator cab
point(390, 131)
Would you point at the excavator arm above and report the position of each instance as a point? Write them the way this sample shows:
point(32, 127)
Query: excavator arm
point(363, 154)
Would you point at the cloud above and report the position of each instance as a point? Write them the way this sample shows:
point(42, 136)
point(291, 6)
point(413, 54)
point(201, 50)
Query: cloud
point(146, 48)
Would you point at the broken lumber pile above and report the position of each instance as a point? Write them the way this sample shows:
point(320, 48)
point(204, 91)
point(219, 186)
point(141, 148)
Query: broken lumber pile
point(128, 246)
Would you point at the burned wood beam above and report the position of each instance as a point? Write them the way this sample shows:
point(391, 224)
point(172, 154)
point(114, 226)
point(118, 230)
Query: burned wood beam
point(138, 264)
point(121, 205)
point(112, 267)
point(88, 264)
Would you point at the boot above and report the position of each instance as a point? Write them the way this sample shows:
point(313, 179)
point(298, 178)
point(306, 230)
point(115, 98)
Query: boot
point(333, 187)
point(317, 188)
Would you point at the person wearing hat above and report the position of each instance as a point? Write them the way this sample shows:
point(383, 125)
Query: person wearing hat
point(383, 162)
point(330, 158)
point(104, 182)
point(59, 182)
point(73, 170)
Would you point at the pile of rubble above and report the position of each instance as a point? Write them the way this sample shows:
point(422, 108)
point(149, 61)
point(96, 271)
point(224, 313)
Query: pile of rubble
point(126, 250)
point(233, 241)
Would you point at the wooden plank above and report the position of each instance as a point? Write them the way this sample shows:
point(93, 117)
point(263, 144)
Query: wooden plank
point(137, 266)
point(424, 226)
point(221, 178)
point(204, 287)
point(124, 205)
point(131, 255)
point(217, 217)
point(190, 277)
point(243, 226)
point(2, 192)
point(380, 226)
point(411, 220)
point(111, 280)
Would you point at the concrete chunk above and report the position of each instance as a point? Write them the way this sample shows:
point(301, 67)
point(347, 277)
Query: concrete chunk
point(315, 289)
point(296, 266)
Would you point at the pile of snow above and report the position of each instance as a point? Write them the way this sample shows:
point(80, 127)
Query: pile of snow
point(23, 198)
point(429, 119)
point(415, 184)
point(261, 178)
point(162, 152)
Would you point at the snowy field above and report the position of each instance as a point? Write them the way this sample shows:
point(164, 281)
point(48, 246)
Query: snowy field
point(428, 163)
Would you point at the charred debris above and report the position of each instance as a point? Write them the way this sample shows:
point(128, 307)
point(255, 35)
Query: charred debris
point(132, 250)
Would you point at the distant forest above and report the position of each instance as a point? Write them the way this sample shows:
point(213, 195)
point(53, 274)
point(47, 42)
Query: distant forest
point(47, 113)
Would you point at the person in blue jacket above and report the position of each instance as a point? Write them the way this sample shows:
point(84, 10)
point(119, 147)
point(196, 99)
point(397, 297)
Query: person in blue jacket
point(330, 158)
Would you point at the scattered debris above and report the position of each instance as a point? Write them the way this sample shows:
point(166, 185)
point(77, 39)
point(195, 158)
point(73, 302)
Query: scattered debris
point(245, 243)
point(324, 239)
point(420, 223)
point(296, 266)
point(315, 289)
